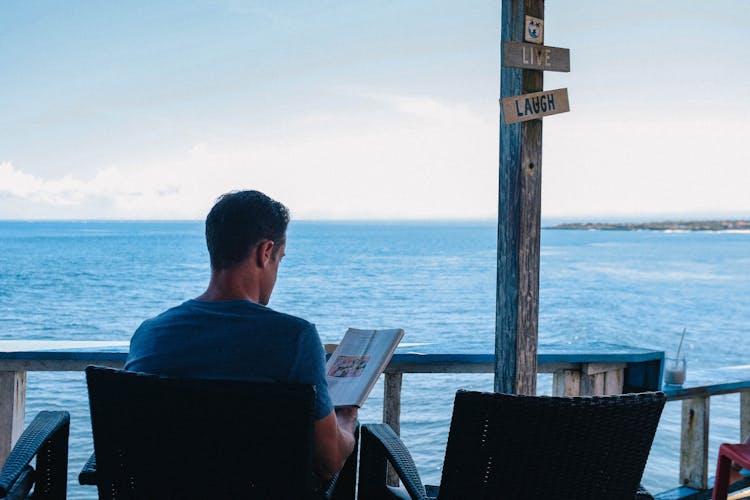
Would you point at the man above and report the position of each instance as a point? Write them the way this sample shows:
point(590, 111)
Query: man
point(229, 333)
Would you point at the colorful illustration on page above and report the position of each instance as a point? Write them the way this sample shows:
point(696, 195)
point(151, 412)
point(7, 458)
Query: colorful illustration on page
point(348, 366)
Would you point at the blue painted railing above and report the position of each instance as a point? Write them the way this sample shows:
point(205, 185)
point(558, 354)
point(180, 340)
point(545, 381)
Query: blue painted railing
point(591, 369)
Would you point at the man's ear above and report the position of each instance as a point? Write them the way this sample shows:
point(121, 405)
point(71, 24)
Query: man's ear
point(263, 253)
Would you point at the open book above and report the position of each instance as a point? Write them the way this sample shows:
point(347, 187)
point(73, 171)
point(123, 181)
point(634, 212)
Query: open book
point(357, 362)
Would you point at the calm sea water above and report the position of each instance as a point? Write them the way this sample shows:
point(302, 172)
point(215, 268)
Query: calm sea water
point(99, 280)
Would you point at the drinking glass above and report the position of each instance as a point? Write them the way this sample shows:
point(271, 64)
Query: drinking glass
point(674, 371)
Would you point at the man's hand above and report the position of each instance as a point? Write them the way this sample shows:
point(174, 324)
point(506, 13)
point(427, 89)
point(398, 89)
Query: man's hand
point(334, 440)
point(346, 416)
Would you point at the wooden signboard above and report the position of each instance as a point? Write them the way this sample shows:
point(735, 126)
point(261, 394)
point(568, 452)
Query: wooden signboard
point(524, 107)
point(532, 56)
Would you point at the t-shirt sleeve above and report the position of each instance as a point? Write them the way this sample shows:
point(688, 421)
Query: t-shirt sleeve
point(310, 368)
point(134, 353)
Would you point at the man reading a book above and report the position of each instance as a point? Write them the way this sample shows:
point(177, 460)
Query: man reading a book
point(228, 332)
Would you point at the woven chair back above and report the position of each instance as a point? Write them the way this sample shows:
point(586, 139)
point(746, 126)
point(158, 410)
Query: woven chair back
point(533, 447)
point(160, 437)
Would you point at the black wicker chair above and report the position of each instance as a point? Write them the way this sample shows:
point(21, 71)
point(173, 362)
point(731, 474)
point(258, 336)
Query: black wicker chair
point(162, 437)
point(46, 438)
point(525, 447)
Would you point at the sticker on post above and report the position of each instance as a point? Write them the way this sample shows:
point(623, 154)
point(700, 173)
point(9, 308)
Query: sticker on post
point(521, 108)
point(533, 30)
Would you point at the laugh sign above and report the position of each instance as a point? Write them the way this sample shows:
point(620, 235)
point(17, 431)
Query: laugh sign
point(521, 108)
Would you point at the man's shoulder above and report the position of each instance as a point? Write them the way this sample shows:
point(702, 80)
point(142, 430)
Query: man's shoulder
point(289, 321)
point(167, 315)
point(237, 312)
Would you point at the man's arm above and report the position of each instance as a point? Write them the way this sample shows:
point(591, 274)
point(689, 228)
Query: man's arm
point(334, 441)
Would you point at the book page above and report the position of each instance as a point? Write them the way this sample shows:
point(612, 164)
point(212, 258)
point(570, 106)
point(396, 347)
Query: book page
point(357, 362)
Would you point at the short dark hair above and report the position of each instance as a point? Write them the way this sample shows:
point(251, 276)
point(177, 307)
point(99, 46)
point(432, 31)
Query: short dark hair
point(238, 222)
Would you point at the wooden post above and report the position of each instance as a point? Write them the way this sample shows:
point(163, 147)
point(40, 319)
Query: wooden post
point(598, 379)
point(694, 443)
point(392, 401)
point(392, 413)
point(519, 210)
point(12, 410)
point(566, 383)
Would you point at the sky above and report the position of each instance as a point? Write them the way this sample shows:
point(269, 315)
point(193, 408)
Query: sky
point(365, 110)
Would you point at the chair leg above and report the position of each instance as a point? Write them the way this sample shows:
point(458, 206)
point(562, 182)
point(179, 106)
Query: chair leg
point(372, 468)
point(52, 466)
point(721, 481)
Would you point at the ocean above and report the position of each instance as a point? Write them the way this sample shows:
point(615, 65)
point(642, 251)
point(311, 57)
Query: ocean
point(436, 280)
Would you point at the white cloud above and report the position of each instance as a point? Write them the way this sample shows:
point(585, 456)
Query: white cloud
point(427, 108)
point(412, 157)
point(62, 191)
point(118, 193)
point(645, 165)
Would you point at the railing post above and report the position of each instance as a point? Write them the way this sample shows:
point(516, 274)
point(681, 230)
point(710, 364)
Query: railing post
point(12, 410)
point(392, 412)
point(392, 401)
point(614, 381)
point(694, 443)
point(744, 414)
point(592, 384)
point(593, 379)
point(566, 383)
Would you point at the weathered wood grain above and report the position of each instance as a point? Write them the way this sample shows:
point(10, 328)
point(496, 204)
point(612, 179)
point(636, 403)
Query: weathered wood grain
point(532, 106)
point(392, 413)
point(694, 443)
point(12, 410)
point(592, 385)
point(566, 383)
point(519, 207)
point(594, 368)
point(392, 401)
point(613, 381)
point(531, 56)
point(529, 247)
point(508, 214)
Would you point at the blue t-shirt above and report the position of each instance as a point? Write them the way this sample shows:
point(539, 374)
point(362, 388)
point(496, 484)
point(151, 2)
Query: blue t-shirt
point(235, 339)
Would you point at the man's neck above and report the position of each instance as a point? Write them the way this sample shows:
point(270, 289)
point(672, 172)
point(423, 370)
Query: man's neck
point(230, 284)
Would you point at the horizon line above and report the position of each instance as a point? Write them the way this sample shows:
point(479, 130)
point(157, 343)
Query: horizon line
point(556, 219)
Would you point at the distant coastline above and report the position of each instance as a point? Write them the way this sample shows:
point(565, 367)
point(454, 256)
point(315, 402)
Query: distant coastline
point(705, 225)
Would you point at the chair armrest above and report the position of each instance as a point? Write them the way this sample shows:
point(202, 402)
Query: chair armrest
point(47, 439)
point(381, 444)
point(87, 475)
point(21, 488)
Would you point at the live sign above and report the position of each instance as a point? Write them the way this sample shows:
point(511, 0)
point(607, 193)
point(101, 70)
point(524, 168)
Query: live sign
point(531, 56)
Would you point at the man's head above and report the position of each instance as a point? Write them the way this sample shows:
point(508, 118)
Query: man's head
point(239, 222)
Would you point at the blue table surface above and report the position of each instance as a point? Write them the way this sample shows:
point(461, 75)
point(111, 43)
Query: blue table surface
point(76, 349)
point(63, 349)
point(715, 379)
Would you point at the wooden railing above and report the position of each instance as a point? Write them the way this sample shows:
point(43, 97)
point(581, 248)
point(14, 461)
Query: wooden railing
point(695, 467)
point(576, 370)
point(584, 372)
point(578, 377)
